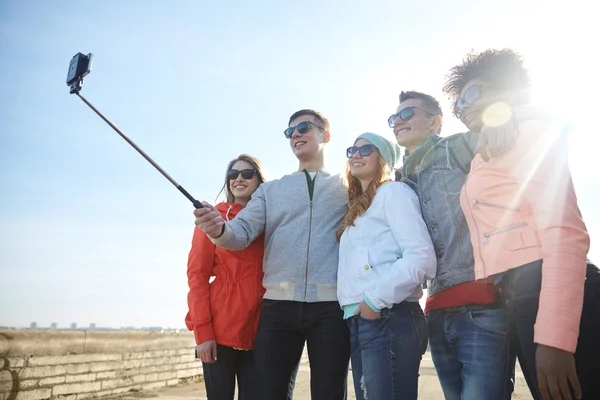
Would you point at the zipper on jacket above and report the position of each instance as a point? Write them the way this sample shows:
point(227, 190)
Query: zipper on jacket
point(486, 236)
point(311, 189)
point(475, 202)
point(476, 227)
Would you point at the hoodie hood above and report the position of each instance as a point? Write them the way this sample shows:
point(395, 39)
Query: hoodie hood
point(228, 210)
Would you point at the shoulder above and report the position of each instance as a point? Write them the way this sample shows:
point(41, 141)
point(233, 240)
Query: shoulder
point(469, 138)
point(284, 180)
point(337, 178)
point(540, 135)
point(396, 191)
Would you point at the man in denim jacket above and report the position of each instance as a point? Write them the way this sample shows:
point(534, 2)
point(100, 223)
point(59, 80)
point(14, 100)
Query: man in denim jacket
point(467, 329)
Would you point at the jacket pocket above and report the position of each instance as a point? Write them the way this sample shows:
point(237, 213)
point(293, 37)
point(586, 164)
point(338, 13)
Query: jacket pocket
point(449, 179)
point(477, 203)
point(521, 240)
point(504, 229)
point(493, 320)
point(359, 275)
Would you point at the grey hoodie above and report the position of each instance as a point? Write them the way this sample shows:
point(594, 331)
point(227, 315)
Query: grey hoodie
point(299, 220)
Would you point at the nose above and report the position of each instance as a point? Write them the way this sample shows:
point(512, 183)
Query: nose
point(296, 134)
point(239, 178)
point(356, 155)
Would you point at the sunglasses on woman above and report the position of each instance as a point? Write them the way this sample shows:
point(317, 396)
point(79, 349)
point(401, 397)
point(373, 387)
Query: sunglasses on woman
point(406, 114)
point(302, 128)
point(363, 150)
point(246, 173)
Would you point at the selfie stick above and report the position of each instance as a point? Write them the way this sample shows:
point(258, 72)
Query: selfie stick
point(75, 80)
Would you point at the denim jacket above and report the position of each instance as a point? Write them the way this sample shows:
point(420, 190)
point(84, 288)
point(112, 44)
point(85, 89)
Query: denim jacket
point(437, 171)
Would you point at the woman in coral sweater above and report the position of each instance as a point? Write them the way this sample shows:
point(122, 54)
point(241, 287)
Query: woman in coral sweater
point(526, 228)
point(224, 313)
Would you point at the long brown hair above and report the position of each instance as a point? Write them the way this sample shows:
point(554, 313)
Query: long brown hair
point(359, 201)
point(256, 164)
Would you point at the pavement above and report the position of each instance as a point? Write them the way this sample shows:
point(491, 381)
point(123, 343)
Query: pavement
point(429, 387)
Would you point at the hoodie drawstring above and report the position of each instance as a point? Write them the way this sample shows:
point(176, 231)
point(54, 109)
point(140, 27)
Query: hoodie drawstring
point(227, 213)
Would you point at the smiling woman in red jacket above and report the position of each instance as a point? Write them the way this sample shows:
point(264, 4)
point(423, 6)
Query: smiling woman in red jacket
point(224, 313)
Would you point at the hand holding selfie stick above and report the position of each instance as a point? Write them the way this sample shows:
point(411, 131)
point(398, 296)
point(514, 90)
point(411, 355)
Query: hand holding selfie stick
point(79, 67)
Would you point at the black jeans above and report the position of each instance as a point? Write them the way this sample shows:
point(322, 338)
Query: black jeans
point(587, 354)
point(283, 328)
point(520, 293)
point(220, 377)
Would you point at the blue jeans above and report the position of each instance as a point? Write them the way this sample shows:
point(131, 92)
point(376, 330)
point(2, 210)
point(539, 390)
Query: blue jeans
point(469, 348)
point(520, 292)
point(386, 353)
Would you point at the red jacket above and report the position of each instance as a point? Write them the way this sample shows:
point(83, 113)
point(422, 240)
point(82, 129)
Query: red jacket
point(227, 309)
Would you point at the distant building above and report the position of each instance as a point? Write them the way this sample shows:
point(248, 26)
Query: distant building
point(33, 325)
point(93, 325)
point(73, 325)
point(53, 325)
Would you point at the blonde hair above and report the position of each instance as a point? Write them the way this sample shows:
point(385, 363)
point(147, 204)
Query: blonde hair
point(359, 201)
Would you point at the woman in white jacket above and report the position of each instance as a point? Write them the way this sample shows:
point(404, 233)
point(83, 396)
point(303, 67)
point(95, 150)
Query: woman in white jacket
point(386, 254)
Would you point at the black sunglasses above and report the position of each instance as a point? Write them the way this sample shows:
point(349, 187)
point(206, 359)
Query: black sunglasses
point(406, 114)
point(246, 173)
point(363, 150)
point(471, 96)
point(302, 127)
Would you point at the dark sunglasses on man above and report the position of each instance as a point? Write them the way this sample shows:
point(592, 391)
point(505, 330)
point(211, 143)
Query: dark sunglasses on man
point(302, 128)
point(363, 150)
point(406, 114)
point(246, 173)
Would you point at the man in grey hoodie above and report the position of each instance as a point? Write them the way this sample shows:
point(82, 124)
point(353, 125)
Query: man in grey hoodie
point(299, 215)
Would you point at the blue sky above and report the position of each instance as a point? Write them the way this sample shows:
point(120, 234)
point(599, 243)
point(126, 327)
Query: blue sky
point(90, 232)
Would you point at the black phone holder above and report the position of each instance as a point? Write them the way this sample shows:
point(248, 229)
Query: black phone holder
point(79, 67)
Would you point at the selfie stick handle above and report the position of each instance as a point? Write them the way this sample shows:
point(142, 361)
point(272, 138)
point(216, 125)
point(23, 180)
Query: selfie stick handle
point(195, 202)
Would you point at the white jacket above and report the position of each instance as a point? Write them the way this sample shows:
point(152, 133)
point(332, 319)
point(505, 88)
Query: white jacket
point(388, 253)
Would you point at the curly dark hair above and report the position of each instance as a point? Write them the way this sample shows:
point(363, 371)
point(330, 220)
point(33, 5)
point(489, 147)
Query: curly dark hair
point(502, 69)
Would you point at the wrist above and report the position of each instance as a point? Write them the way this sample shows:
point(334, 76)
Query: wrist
point(220, 233)
point(370, 304)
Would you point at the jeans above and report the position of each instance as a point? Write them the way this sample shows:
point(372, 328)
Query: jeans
point(220, 377)
point(520, 292)
point(386, 353)
point(470, 351)
point(283, 328)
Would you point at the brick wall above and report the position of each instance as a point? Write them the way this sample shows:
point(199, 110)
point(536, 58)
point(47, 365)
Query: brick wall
point(74, 365)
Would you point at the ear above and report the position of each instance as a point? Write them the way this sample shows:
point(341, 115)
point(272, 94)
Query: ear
point(326, 137)
point(436, 122)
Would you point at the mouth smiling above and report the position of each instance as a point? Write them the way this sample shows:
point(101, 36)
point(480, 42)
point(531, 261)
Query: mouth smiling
point(401, 130)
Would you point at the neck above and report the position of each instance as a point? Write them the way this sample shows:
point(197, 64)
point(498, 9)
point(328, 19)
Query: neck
point(314, 164)
point(364, 184)
point(412, 148)
point(241, 202)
